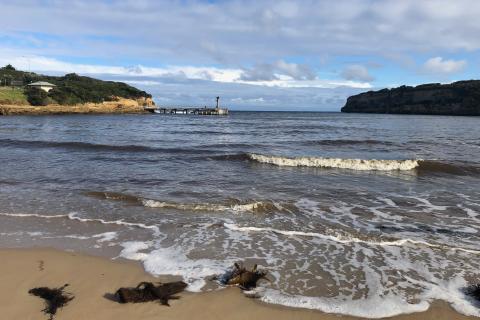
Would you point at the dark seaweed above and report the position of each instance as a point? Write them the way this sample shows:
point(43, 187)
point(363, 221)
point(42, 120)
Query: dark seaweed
point(147, 291)
point(54, 298)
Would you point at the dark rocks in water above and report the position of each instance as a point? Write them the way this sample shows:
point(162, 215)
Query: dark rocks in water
point(147, 291)
point(54, 298)
point(458, 98)
point(245, 279)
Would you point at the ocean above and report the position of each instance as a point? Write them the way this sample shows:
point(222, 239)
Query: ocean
point(358, 214)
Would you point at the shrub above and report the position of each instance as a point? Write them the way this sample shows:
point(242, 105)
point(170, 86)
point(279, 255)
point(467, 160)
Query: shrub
point(36, 96)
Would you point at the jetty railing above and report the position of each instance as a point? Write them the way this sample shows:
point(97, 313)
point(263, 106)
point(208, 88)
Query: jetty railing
point(188, 110)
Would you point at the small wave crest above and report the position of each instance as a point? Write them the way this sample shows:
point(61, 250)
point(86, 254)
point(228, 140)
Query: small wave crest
point(73, 216)
point(352, 164)
point(228, 205)
point(256, 207)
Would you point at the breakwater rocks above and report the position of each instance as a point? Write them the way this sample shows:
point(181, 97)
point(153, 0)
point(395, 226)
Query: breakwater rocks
point(458, 98)
point(116, 106)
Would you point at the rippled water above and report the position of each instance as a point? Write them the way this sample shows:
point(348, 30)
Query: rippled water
point(370, 215)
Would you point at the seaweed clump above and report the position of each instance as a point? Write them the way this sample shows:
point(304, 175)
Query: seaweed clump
point(473, 291)
point(147, 291)
point(54, 298)
point(245, 279)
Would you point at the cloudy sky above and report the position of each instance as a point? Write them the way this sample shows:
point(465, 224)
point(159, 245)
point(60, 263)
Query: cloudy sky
point(257, 55)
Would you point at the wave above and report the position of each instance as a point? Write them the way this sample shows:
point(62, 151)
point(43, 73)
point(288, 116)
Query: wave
point(86, 146)
point(347, 142)
point(421, 166)
point(457, 168)
point(107, 195)
point(352, 164)
point(229, 205)
point(73, 216)
point(257, 206)
point(349, 239)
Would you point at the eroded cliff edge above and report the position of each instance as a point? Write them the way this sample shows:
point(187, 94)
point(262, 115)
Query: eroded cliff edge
point(458, 98)
point(117, 105)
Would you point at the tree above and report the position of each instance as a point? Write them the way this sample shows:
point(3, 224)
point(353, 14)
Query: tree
point(9, 67)
point(36, 96)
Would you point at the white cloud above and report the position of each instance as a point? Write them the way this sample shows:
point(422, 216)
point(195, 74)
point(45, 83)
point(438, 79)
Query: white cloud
point(288, 75)
point(356, 72)
point(276, 71)
point(440, 66)
point(241, 31)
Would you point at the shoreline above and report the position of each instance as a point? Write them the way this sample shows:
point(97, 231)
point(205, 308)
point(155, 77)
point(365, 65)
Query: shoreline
point(119, 106)
point(91, 277)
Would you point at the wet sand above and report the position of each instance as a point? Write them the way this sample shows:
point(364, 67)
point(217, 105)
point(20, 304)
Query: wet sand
point(90, 278)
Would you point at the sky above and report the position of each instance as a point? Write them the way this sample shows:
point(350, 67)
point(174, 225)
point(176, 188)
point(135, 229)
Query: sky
point(255, 55)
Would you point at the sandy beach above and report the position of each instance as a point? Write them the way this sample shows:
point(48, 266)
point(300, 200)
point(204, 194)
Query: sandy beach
point(90, 278)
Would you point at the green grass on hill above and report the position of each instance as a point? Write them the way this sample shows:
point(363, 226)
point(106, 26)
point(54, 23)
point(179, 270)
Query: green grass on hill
point(12, 96)
point(70, 89)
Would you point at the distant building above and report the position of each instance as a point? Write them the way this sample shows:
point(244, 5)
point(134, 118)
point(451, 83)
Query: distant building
point(45, 86)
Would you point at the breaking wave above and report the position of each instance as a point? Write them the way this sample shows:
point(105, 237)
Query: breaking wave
point(352, 164)
point(257, 206)
point(229, 205)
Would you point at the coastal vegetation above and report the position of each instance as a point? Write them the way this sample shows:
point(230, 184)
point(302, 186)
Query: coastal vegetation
point(70, 89)
point(14, 96)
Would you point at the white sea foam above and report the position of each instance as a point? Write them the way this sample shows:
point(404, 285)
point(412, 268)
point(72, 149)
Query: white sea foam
point(172, 261)
point(34, 215)
point(343, 239)
point(131, 250)
point(353, 164)
point(73, 216)
point(373, 307)
point(106, 236)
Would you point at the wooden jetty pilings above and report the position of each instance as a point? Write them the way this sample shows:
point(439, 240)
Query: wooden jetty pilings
point(217, 111)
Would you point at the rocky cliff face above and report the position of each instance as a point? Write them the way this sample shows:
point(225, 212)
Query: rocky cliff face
point(458, 98)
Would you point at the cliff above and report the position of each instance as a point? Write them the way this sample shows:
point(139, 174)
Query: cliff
point(116, 106)
point(458, 98)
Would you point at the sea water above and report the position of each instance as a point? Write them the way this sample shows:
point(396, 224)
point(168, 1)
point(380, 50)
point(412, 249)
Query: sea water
point(366, 215)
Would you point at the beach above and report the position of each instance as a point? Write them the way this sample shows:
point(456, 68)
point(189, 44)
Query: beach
point(90, 278)
point(240, 160)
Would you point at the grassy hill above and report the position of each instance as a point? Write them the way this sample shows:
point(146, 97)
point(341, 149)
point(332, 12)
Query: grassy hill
point(70, 89)
point(13, 96)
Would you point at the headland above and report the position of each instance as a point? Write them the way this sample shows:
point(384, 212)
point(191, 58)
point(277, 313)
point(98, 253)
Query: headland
point(460, 98)
point(28, 93)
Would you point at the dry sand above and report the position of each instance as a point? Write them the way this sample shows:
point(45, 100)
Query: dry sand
point(91, 277)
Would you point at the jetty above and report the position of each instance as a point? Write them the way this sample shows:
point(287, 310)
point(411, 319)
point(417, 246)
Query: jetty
point(204, 111)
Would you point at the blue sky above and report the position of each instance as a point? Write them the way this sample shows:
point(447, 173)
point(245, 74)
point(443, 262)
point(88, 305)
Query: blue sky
point(257, 55)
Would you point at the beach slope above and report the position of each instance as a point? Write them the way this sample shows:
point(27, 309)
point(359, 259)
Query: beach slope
point(90, 278)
